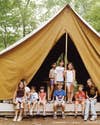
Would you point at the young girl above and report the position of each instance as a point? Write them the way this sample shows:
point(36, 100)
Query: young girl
point(80, 99)
point(42, 100)
point(52, 78)
point(33, 97)
point(59, 73)
point(70, 78)
point(91, 94)
point(19, 101)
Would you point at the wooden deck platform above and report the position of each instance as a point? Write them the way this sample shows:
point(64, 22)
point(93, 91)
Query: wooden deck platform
point(8, 109)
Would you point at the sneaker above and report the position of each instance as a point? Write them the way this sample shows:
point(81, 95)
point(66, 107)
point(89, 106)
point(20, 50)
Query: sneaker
point(85, 119)
point(93, 118)
point(75, 115)
point(63, 116)
point(15, 118)
point(19, 119)
point(55, 116)
point(44, 114)
point(31, 112)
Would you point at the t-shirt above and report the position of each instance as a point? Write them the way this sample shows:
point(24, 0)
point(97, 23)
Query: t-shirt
point(59, 71)
point(42, 95)
point(34, 96)
point(91, 91)
point(52, 73)
point(59, 93)
point(27, 89)
point(80, 95)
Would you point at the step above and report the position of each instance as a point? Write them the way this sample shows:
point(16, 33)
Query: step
point(8, 109)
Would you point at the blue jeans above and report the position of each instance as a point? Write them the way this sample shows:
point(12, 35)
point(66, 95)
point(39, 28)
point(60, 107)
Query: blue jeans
point(90, 105)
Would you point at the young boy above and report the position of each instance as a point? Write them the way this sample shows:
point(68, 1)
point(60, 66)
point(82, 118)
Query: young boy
point(79, 99)
point(91, 94)
point(33, 97)
point(52, 78)
point(59, 73)
point(59, 95)
point(42, 100)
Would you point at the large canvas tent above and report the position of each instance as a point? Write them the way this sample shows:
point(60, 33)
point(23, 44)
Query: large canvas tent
point(24, 58)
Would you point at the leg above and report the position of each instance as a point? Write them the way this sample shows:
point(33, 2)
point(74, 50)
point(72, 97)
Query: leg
point(44, 108)
point(93, 111)
point(83, 107)
point(76, 107)
point(68, 93)
point(71, 92)
point(16, 115)
point(51, 90)
point(87, 106)
point(38, 108)
point(63, 110)
point(55, 109)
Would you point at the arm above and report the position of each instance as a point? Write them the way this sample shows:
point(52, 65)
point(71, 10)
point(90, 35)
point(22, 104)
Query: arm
point(95, 95)
point(14, 97)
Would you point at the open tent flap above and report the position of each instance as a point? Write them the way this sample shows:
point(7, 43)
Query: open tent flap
point(25, 59)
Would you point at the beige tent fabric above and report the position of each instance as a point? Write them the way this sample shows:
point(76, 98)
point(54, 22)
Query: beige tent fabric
point(25, 59)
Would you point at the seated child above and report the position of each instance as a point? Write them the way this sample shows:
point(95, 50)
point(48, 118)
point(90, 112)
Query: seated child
point(42, 101)
point(59, 96)
point(19, 101)
point(33, 97)
point(91, 94)
point(79, 99)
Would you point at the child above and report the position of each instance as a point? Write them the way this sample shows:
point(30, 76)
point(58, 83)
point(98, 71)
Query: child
point(59, 95)
point(70, 78)
point(27, 91)
point(91, 94)
point(19, 101)
point(79, 99)
point(59, 73)
point(33, 97)
point(42, 100)
point(52, 78)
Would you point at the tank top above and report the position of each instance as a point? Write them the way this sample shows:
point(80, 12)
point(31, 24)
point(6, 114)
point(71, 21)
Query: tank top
point(42, 94)
point(20, 93)
point(69, 76)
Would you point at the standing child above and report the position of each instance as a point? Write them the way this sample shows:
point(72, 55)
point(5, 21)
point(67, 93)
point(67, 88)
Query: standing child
point(79, 99)
point(42, 101)
point(59, 95)
point(52, 78)
point(59, 73)
point(70, 79)
point(19, 101)
point(91, 94)
point(33, 97)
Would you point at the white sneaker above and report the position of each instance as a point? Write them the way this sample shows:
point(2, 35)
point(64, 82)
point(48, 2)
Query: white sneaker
point(44, 113)
point(19, 119)
point(93, 118)
point(15, 119)
point(31, 112)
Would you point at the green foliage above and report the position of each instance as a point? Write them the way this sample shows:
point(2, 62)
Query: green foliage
point(20, 17)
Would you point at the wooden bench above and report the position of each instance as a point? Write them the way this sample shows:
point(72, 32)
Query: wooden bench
point(8, 109)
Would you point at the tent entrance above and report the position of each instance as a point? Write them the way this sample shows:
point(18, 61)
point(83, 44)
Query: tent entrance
point(41, 77)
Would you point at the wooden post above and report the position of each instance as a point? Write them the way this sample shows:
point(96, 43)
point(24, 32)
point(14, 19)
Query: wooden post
point(66, 43)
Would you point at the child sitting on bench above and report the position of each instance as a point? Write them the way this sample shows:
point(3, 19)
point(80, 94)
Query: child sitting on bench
point(42, 101)
point(59, 96)
point(79, 99)
point(19, 101)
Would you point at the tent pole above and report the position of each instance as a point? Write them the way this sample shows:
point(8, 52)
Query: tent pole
point(66, 43)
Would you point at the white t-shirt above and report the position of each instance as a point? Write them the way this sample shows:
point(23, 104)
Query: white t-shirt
point(59, 71)
point(27, 89)
point(34, 96)
point(69, 76)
